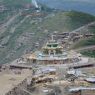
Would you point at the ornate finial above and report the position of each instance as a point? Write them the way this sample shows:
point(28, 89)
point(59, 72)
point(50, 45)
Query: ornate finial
point(52, 38)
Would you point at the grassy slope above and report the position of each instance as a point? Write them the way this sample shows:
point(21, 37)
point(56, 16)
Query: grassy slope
point(90, 53)
point(62, 22)
point(15, 3)
point(10, 5)
point(67, 21)
point(6, 15)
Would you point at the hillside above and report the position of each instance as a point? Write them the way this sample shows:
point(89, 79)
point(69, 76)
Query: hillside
point(67, 21)
point(16, 4)
point(88, 41)
point(23, 32)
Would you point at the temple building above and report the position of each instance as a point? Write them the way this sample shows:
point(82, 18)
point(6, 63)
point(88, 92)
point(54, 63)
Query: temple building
point(54, 53)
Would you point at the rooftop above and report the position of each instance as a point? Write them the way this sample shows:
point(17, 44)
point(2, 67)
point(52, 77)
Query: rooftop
point(11, 80)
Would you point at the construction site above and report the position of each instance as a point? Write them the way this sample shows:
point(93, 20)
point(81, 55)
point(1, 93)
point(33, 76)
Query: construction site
point(47, 80)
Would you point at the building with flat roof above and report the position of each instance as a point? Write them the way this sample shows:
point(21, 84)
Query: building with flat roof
point(9, 81)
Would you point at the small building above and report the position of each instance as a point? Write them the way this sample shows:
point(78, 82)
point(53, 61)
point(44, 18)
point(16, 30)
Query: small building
point(90, 80)
point(45, 71)
point(82, 91)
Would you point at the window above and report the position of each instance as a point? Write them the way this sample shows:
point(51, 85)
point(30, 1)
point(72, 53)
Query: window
point(55, 45)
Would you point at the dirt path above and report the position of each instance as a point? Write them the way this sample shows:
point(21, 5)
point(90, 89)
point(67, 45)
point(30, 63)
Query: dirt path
point(16, 26)
point(87, 25)
point(92, 47)
point(4, 27)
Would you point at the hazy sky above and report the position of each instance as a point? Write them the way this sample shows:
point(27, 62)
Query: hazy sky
point(87, 6)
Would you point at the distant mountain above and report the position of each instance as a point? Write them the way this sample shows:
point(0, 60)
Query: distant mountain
point(87, 6)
